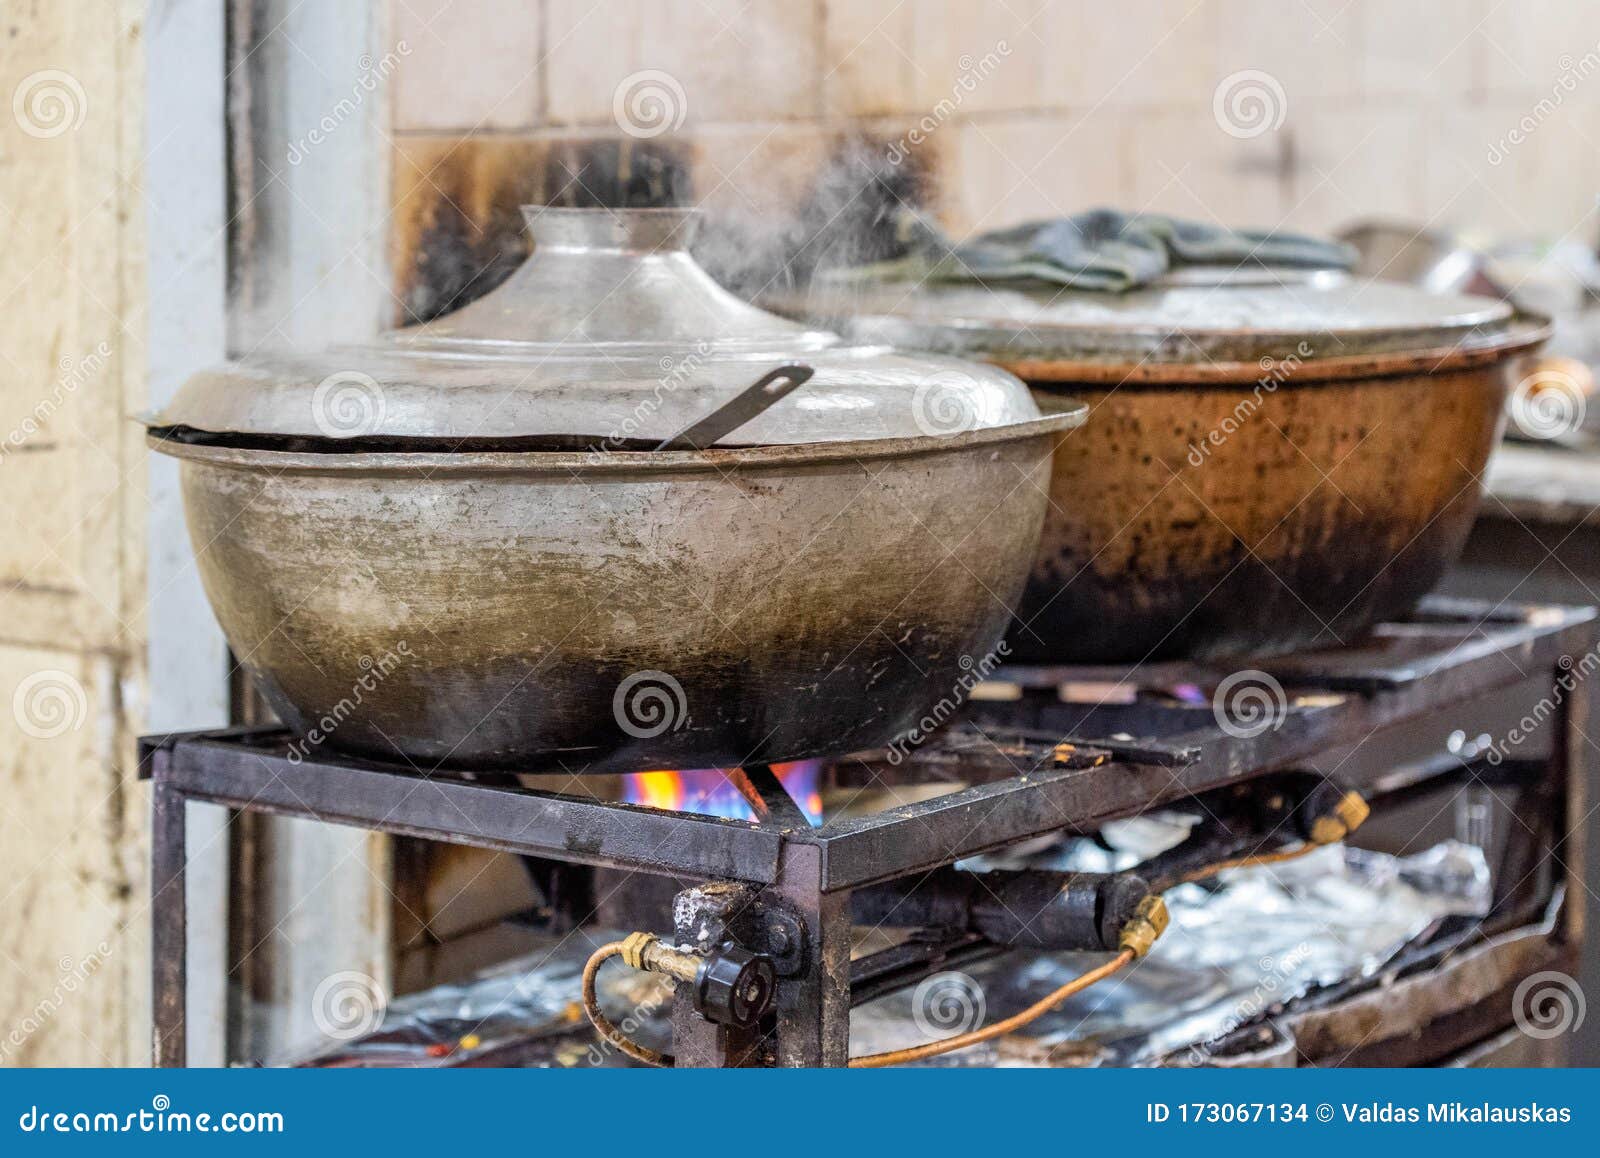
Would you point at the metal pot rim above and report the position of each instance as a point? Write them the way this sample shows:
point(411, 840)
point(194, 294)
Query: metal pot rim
point(566, 463)
point(1525, 334)
point(1176, 328)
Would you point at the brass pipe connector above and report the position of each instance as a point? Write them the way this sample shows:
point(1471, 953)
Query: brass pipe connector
point(1140, 932)
point(633, 947)
point(1348, 815)
point(645, 951)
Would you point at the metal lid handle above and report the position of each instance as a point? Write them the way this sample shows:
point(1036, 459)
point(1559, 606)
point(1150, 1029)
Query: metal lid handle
point(740, 409)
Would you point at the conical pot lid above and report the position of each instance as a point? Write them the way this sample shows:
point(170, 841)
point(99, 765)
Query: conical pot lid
point(1200, 321)
point(609, 332)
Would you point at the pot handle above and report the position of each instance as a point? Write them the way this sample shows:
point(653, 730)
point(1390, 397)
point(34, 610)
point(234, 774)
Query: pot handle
point(740, 409)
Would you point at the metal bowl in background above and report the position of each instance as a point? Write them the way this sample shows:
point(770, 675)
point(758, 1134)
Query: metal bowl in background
point(455, 547)
point(1436, 260)
point(1551, 401)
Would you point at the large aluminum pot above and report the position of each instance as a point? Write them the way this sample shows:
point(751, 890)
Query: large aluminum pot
point(610, 609)
point(1273, 460)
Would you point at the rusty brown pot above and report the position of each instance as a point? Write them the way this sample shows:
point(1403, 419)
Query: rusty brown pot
point(1264, 467)
point(1183, 526)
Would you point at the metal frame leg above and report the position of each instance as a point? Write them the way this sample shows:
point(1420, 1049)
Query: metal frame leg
point(169, 925)
point(814, 1006)
point(1571, 754)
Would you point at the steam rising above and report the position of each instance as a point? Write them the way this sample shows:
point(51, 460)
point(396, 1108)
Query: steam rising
point(857, 209)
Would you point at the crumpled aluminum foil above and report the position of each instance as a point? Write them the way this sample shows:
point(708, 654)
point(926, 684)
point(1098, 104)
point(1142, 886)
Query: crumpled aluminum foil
point(533, 998)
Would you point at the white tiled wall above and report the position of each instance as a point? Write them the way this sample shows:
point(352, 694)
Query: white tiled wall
point(1386, 107)
point(468, 66)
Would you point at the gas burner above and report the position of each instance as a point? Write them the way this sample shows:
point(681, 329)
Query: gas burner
point(788, 855)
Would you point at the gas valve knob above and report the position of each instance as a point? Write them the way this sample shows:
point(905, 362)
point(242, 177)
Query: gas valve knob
point(735, 986)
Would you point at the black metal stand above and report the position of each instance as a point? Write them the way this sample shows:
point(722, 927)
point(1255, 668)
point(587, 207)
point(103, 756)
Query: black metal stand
point(1011, 779)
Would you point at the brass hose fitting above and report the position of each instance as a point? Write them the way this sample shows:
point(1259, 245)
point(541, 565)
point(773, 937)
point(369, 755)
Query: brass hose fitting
point(1149, 921)
point(1348, 815)
point(645, 951)
point(633, 947)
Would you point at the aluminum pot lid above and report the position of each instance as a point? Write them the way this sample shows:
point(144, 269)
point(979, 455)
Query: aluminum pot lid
point(610, 332)
point(1195, 316)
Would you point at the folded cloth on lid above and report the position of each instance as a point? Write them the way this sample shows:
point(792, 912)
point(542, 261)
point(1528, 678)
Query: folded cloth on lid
point(1103, 249)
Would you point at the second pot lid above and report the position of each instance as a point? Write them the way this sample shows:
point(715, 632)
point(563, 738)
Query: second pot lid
point(1205, 320)
point(609, 331)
